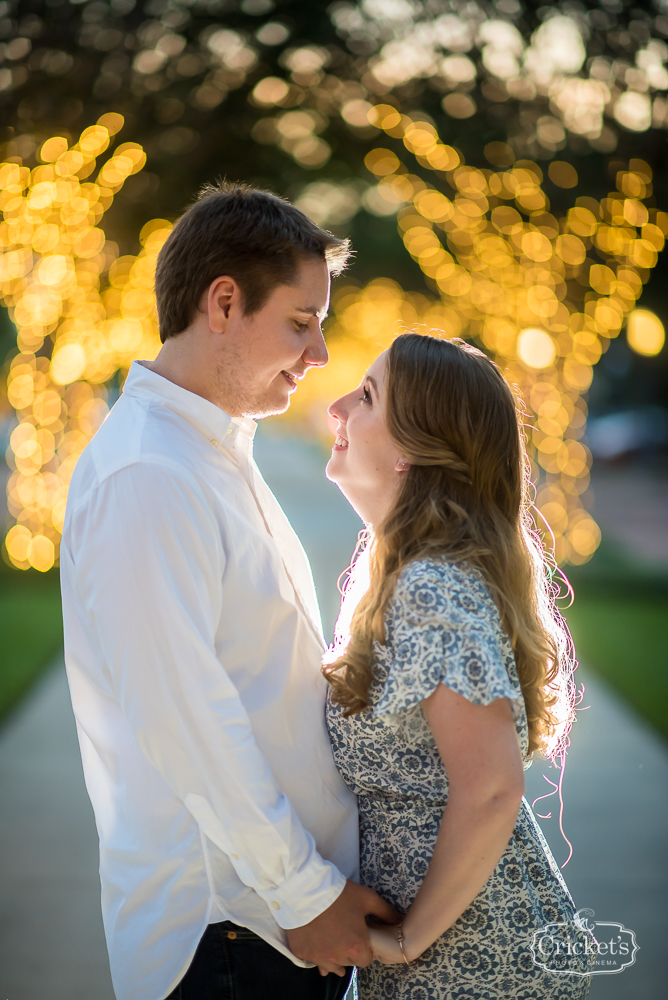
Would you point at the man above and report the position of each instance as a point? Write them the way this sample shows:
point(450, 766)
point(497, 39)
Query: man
point(228, 842)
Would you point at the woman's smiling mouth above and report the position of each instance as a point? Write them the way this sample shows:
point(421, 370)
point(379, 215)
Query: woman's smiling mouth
point(340, 444)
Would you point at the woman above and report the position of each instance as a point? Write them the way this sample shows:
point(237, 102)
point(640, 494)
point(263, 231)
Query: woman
point(451, 667)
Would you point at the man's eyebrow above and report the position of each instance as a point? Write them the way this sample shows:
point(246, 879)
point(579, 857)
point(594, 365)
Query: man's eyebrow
point(313, 310)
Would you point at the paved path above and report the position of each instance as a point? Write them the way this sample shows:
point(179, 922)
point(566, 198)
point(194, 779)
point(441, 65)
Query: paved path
point(51, 939)
point(51, 942)
point(616, 815)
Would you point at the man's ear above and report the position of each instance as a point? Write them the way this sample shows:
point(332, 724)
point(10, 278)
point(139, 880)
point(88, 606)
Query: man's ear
point(224, 293)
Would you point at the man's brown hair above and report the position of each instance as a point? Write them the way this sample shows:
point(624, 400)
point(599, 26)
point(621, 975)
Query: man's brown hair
point(251, 235)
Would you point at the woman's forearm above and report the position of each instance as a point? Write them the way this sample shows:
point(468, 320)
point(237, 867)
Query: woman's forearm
point(471, 840)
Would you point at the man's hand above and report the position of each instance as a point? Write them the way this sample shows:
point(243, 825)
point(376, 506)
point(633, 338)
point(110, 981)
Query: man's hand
point(339, 937)
point(385, 945)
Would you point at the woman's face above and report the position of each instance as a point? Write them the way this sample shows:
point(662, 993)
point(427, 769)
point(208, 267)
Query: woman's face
point(366, 464)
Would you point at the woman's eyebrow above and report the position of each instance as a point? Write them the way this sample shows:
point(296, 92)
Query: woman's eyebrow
point(372, 380)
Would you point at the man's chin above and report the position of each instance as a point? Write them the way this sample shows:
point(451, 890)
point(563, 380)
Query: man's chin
point(270, 407)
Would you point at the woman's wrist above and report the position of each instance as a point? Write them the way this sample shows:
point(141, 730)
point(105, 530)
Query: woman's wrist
point(401, 941)
point(413, 943)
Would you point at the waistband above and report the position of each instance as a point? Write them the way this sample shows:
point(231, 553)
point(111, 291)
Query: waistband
point(234, 932)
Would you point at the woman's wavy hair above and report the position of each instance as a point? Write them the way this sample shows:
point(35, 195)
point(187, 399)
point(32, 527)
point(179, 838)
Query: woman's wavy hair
point(466, 497)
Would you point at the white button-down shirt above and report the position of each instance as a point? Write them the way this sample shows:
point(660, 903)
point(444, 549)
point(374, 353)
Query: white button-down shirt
point(193, 648)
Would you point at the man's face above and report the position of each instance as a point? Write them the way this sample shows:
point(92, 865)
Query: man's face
point(268, 352)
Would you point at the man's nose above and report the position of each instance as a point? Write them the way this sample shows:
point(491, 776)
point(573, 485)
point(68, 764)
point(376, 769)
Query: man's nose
point(316, 352)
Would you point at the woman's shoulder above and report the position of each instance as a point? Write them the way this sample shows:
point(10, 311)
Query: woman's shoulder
point(437, 589)
point(444, 628)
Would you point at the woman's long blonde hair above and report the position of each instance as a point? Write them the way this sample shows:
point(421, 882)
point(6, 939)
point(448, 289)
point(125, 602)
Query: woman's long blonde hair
point(466, 497)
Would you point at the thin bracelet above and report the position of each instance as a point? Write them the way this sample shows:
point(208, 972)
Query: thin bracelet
point(400, 939)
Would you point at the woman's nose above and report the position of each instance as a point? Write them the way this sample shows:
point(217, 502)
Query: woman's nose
point(338, 410)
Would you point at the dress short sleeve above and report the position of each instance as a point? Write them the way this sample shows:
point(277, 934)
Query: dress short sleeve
point(444, 628)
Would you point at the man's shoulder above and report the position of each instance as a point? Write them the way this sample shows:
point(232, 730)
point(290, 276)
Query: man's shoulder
point(117, 444)
point(134, 439)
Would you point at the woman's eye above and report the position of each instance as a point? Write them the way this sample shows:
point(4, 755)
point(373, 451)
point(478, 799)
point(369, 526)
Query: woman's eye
point(366, 396)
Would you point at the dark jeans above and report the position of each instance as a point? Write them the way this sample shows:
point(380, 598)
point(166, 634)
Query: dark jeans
point(233, 963)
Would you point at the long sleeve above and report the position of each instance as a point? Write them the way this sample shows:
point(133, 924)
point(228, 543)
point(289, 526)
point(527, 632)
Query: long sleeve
point(149, 562)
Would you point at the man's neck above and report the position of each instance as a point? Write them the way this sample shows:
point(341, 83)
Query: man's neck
point(178, 363)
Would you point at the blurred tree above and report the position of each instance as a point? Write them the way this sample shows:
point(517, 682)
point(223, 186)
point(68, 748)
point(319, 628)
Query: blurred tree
point(468, 99)
point(274, 92)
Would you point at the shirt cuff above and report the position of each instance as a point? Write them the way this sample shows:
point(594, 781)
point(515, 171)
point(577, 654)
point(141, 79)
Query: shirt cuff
point(304, 896)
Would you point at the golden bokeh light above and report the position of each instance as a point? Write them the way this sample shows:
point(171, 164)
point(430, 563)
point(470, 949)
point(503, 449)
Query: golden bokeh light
point(536, 348)
point(645, 332)
point(514, 278)
point(563, 174)
point(75, 328)
point(542, 294)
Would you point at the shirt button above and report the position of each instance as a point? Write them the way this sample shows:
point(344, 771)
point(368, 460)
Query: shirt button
point(276, 905)
point(235, 856)
point(232, 935)
point(214, 443)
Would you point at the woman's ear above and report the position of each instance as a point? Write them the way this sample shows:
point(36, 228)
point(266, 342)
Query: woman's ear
point(402, 465)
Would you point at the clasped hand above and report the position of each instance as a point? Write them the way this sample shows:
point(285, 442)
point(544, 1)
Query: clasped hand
point(339, 937)
point(385, 945)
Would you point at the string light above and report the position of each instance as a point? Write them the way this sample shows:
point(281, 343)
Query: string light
point(645, 332)
point(543, 295)
point(516, 279)
point(82, 314)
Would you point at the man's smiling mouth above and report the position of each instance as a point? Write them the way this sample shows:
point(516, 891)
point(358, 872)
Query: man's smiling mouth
point(292, 378)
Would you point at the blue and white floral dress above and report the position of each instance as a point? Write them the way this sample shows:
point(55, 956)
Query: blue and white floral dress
point(442, 626)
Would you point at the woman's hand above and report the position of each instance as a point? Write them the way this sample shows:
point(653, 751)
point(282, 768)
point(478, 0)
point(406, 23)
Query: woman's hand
point(385, 945)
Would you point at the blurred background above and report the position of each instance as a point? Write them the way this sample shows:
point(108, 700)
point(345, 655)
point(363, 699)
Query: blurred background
point(500, 168)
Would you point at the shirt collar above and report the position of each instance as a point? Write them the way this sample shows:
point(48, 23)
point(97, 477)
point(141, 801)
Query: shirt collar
point(203, 415)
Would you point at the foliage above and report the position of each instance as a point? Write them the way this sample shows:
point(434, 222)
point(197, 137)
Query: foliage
point(618, 619)
point(542, 267)
point(623, 638)
point(185, 76)
point(31, 631)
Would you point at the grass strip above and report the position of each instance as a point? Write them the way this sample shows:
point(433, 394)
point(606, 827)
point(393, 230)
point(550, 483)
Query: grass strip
point(619, 622)
point(31, 630)
point(624, 638)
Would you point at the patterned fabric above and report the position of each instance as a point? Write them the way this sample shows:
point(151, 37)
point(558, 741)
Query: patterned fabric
point(442, 626)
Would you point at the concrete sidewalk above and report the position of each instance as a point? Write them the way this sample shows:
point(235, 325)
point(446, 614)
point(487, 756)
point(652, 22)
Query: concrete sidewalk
point(616, 816)
point(51, 941)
